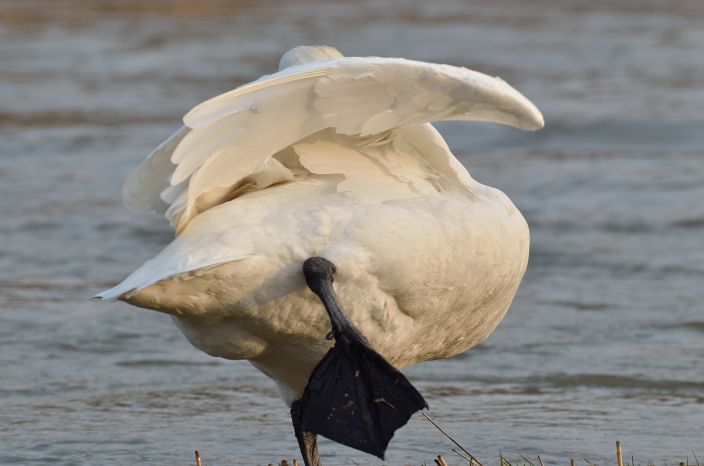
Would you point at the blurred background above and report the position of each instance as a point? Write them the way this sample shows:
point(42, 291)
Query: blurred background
point(604, 342)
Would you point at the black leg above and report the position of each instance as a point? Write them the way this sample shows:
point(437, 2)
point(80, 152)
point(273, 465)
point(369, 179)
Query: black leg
point(354, 396)
point(307, 441)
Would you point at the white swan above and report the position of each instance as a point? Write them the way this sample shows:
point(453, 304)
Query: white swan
point(333, 158)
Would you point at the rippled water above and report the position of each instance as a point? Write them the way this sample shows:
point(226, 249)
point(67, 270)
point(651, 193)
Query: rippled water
point(605, 340)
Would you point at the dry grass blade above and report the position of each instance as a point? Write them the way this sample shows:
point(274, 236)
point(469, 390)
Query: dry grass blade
point(464, 457)
point(432, 421)
point(572, 462)
point(503, 460)
point(619, 455)
point(695, 457)
point(441, 461)
point(540, 460)
point(198, 463)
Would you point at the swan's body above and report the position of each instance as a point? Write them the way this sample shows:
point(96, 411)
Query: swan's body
point(447, 274)
point(335, 159)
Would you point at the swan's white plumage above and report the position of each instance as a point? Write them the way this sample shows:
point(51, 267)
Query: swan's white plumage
point(233, 135)
point(145, 189)
point(307, 54)
point(336, 157)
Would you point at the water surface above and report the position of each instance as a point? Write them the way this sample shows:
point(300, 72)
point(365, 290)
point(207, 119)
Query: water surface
point(604, 341)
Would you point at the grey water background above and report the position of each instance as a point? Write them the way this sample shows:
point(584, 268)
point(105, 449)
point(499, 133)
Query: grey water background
point(604, 341)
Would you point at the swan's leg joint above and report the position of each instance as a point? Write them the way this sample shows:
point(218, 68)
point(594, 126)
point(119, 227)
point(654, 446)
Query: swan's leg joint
point(354, 396)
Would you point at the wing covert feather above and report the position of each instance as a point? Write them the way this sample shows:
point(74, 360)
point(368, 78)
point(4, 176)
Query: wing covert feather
point(231, 136)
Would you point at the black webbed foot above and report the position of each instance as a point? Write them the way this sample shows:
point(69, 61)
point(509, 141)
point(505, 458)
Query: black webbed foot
point(354, 396)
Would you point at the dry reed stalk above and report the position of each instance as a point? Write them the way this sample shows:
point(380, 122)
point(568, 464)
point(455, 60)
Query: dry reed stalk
point(572, 462)
point(441, 461)
point(619, 455)
point(464, 457)
point(432, 421)
point(540, 461)
point(198, 463)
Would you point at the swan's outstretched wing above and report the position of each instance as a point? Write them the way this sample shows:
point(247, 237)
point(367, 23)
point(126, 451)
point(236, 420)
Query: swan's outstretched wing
point(234, 135)
point(142, 190)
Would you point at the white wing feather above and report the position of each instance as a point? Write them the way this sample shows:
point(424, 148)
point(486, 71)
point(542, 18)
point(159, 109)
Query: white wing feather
point(232, 136)
point(143, 189)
